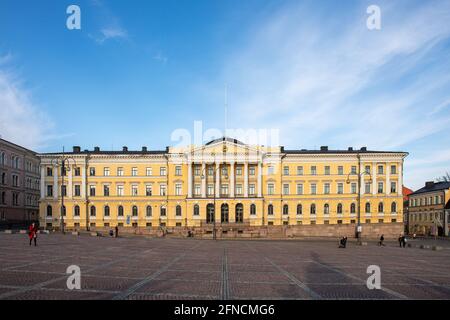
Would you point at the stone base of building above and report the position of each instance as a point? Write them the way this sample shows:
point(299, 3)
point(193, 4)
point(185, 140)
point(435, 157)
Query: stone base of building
point(369, 231)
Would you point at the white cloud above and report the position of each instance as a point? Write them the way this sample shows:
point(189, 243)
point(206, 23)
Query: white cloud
point(21, 121)
point(111, 32)
point(160, 58)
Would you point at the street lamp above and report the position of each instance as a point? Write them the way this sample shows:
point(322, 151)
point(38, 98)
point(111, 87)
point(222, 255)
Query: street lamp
point(64, 163)
point(360, 174)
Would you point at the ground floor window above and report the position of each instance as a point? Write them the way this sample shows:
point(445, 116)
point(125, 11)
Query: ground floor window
point(92, 224)
point(178, 224)
point(149, 224)
point(380, 220)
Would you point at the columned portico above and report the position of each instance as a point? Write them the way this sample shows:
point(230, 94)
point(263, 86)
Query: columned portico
point(246, 179)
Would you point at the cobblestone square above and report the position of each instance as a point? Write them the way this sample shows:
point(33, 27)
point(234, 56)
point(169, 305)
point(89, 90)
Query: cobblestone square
point(170, 268)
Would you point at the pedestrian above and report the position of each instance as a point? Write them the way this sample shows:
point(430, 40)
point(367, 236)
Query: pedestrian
point(400, 240)
point(32, 233)
point(111, 232)
point(404, 241)
point(381, 243)
point(117, 231)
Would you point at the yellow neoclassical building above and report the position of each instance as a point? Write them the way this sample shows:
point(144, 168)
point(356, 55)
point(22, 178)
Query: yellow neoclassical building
point(224, 183)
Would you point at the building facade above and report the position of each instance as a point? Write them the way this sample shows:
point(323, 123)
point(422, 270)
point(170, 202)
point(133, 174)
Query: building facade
point(429, 209)
point(19, 184)
point(224, 183)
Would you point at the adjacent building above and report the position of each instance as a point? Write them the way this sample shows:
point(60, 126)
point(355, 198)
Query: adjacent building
point(429, 209)
point(224, 184)
point(19, 184)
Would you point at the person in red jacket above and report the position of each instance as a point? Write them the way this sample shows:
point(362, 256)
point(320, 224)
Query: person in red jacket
point(32, 233)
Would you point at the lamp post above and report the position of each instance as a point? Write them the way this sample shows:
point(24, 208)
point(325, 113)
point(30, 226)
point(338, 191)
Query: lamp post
point(360, 174)
point(64, 163)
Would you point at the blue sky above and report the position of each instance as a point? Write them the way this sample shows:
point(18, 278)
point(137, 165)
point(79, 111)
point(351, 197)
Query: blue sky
point(139, 70)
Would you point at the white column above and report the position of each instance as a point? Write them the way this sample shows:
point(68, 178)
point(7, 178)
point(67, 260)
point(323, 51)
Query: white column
point(83, 181)
point(400, 179)
point(363, 176)
point(259, 179)
point(69, 183)
point(374, 176)
point(204, 175)
point(246, 179)
point(189, 179)
point(55, 183)
point(388, 179)
point(43, 172)
point(217, 169)
point(232, 187)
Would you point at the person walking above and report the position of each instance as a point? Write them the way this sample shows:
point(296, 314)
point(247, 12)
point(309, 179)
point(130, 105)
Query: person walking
point(32, 233)
point(381, 243)
point(117, 231)
point(404, 241)
point(400, 240)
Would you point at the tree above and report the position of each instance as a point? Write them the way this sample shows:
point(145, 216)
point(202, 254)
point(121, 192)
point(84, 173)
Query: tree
point(444, 178)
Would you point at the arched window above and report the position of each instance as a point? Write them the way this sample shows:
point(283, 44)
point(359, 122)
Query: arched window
point(270, 210)
point(285, 209)
point(2, 158)
point(380, 207)
point(3, 178)
point(17, 162)
point(120, 211)
point(210, 213)
point(239, 213)
point(49, 211)
point(339, 208)
point(63, 211)
point(313, 209)
point(252, 209)
point(3, 197)
point(76, 211)
point(352, 208)
point(394, 207)
point(178, 210)
point(326, 208)
point(163, 211)
point(106, 211)
point(196, 210)
point(367, 207)
point(299, 209)
point(134, 211)
point(93, 211)
point(149, 211)
point(224, 213)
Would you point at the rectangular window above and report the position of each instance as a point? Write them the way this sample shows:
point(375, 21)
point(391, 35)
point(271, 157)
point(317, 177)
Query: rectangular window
point(178, 189)
point(64, 191)
point(251, 170)
point(148, 171)
point(162, 171)
point(224, 189)
point(353, 187)
point(239, 170)
point(251, 189)
point(77, 190)
point(106, 172)
point(300, 170)
point(270, 189)
point(367, 169)
point(393, 187)
point(313, 188)
point(92, 191)
point(210, 189)
point(50, 191)
point(340, 188)
point(270, 170)
point(106, 190)
point(178, 170)
point(77, 171)
point(92, 172)
point(340, 170)
point(286, 189)
point(120, 190)
point(286, 171)
point(197, 171)
point(197, 189)
point(162, 189)
point(380, 170)
point(120, 172)
point(210, 170)
point(239, 189)
point(313, 170)
point(327, 170)
point(134, 171)
point(394, 169)
point(299, 188)
point(326, 188)
point(380, 187)
point(367, 188)
point(49, 172)
point(224, 171)
point(148, 190)
point(353, 170)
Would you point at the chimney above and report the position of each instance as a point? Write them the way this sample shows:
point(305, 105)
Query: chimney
point(96, 149)
point(125, 149)
point(429, 184)
point(363, 148)
point(76, 149)
point(324, 148)
point(144, 149)
point(350, 148)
